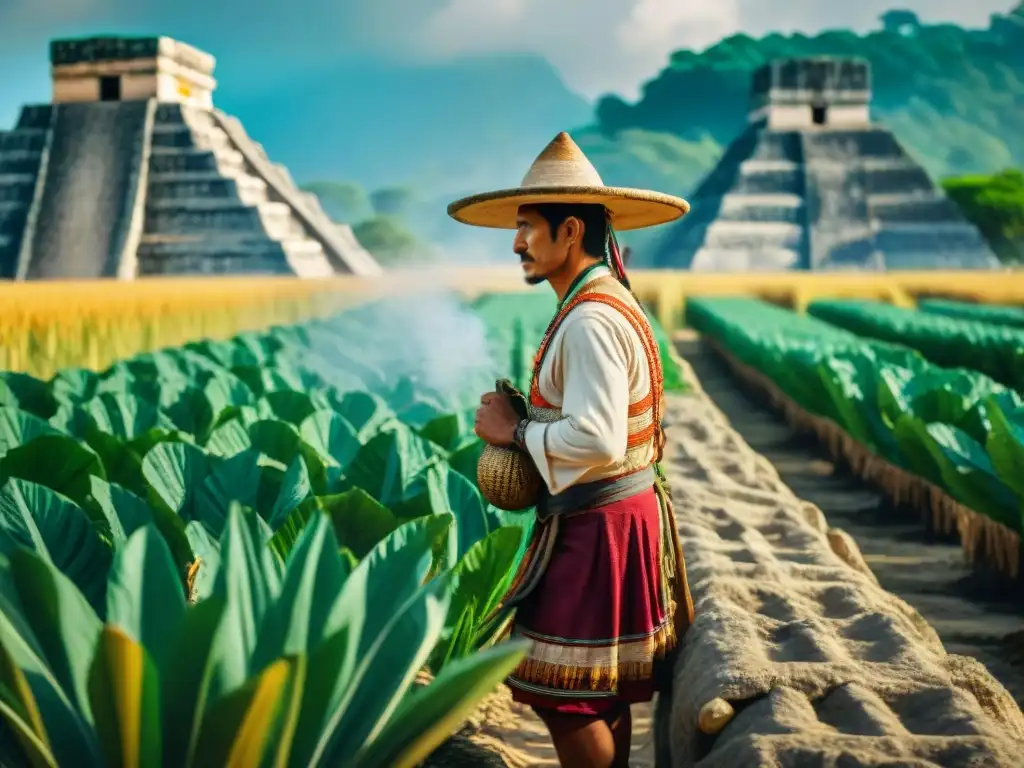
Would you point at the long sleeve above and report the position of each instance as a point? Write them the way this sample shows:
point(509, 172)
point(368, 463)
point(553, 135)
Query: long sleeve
point(594, 356)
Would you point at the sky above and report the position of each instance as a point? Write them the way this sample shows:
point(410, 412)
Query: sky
point(598, 46)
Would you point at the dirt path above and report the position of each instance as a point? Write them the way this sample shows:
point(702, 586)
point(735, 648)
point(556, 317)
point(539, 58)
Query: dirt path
point(967, 611)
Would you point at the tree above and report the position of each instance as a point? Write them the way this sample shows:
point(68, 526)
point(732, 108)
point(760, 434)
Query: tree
point(391, 201)
point(613, 114)
point(344, 201)
point(900, 21)
point(995, 205)
point(390, 242)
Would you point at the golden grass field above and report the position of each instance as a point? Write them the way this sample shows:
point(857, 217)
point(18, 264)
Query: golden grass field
point(45, 326)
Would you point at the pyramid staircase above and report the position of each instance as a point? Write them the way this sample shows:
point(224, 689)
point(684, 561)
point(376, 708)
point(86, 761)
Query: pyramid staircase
point(798, 190)
point(155, 186)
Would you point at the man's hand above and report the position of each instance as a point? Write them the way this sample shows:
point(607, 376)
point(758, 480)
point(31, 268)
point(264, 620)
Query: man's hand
point(496, 421)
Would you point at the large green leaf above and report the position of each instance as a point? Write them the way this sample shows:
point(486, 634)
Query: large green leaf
point(383, 675)
point(333, 438)
point(472, 520)
point(27, 393)
point(56, 702)
point(20, 710)
point(291, 407)
point(386, 584)
point(366, 412)
point(185, 678)
point(308, 602)
point(248, 580)
point(125, 416)
point(61, 464)
point(58, 531)
point(360, 521)
point(124, 693)
point(401, 470)
point(479, 580)
point(431, 714)
point(18, 428)
point(198, 486)
point(65, 628)
point(1005, 446)
point(144, 593)
point(238, 730)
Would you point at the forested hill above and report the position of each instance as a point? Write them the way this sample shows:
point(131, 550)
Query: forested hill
point(954, 97)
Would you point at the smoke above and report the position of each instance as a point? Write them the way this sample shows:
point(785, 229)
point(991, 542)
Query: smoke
point(415, 324)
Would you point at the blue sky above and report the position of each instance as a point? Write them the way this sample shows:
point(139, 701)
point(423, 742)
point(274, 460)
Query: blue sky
point(597, 45)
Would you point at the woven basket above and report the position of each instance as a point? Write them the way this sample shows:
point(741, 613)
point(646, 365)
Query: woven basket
point(507, 477)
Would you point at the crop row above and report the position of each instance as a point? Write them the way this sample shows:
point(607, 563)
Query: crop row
point(952, 342)
point(958, 430)
point(986, 313)
point(243, 550)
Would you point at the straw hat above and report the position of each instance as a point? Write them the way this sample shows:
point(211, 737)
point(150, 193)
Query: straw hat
point(563, 174)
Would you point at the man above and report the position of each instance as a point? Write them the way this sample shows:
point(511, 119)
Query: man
point(602, 592)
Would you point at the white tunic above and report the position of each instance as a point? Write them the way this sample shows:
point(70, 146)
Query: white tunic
point(595, 366)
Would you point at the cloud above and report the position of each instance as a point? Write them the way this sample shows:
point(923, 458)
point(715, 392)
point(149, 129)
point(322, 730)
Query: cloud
point(597, 45)
point(614, 45)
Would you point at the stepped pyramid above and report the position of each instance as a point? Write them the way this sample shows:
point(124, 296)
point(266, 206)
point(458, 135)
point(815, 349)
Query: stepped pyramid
point(813, 184)
point(131, 171)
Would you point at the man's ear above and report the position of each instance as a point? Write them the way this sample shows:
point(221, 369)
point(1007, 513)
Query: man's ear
point(573, 230)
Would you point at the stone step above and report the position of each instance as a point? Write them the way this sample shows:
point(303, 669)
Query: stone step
point(243, 188)
point(782, 208)
point(756, 180)
point(216, 216)
point(36, 116)
point(183, 136)
point(761, 259)
point(18, 163)
point(20, 190)
point(213, 264)
point(911, 208)
point(192, 160)
point(23, 140)
point(168, 254)
point(16, 178)
point(219, 243)
point(12, 217)
point(919, 236)
point(749, 235)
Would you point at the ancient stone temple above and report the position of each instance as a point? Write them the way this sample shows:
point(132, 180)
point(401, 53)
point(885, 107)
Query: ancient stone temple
point(132, 171)
point(813, 183)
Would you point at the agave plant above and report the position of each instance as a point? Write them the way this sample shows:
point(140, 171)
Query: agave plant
point(301, 661)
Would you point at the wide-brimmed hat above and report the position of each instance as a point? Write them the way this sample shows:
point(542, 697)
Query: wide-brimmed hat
point(563, 174)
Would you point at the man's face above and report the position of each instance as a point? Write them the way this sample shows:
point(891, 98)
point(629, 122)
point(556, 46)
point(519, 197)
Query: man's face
point(539, 253)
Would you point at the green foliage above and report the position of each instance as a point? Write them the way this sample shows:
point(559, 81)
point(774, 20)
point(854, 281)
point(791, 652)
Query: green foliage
point(390, 242)
point(994, 350)
point(995, 205)
point(344, 202)
point(953, 97)
point(301, 661)
point(310, 490)
point(986, 313)
point(392, 201)
point(333, 459)
point(958, 429)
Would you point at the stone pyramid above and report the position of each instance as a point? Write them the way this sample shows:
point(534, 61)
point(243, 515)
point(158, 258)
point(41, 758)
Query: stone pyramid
point(813, 184)
point(131, 171)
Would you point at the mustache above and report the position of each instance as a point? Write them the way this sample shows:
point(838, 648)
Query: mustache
point(525, 256)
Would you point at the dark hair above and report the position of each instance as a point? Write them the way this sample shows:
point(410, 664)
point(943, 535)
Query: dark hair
point(593, 216)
